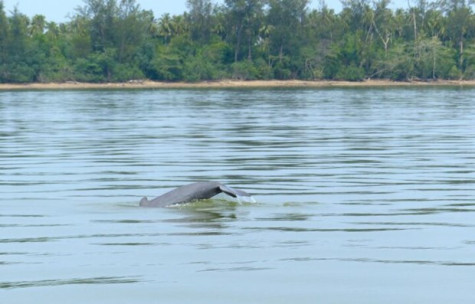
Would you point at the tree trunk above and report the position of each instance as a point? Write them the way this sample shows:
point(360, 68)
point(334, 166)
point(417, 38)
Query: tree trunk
point(238, 43)
point(249, 44)
point(415, 25)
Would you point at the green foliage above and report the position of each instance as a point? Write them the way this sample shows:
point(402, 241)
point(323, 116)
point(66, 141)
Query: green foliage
point(20, 73)
point(244, 70)
point(397, 64)
point(125, 72)
point(350, 73)
point(197, 68)
point(264, 70)
point(282, 68)
point(88, 70)
point(167, 65)
point(244, 18)
point(454, 73)
point(117, 41)
point(201, 20)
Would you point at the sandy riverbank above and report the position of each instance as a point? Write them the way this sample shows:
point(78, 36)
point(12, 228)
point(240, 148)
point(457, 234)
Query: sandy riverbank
point(231, 84)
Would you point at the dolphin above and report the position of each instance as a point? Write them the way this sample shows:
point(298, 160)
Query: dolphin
point(192, 192)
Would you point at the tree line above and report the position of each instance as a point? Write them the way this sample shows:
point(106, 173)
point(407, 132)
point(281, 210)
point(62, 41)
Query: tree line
point(116, 41)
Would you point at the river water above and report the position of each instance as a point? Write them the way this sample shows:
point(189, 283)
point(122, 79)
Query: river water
point(363, 196)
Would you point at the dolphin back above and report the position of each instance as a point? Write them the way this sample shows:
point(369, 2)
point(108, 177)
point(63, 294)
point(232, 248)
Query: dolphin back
point(192, 192)
point(184, 194)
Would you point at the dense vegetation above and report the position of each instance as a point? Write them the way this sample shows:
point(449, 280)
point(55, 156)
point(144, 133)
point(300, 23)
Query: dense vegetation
point(110, 40)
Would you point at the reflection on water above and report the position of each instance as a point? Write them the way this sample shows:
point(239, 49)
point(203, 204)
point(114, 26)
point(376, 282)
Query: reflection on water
point(361, 196)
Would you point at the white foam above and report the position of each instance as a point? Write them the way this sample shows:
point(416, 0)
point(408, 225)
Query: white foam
point(246, 199)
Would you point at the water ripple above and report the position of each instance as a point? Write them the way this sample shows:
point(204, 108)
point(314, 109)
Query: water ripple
point(354, 186)
point(366, 260)
point(77, 281)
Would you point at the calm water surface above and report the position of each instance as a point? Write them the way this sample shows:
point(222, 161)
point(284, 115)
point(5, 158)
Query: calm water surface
point(363, 196)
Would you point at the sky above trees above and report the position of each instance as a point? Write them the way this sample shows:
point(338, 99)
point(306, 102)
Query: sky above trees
point(61, 10)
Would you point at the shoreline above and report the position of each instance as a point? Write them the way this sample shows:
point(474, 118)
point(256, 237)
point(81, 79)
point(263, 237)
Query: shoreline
point(230, 84)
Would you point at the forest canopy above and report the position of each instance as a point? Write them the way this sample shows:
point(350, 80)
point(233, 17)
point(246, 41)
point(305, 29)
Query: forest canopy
point(117, 41)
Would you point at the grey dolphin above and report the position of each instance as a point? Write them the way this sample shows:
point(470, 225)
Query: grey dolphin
point(191, 192)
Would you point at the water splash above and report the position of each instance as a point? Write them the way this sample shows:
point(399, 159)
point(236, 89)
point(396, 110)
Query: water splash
point(246, 199)
point(239, 199)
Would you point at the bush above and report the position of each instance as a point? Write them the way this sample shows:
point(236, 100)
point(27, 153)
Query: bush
point(350, 73)
point(454, 73)
point(198, 68)
point(125, 72)
point(88, 71)
point(244, 70)
point(469, 72)
point(167, 67)
point(19, 73)
point(282, 69)
point(331, 66)
point(264, 70)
